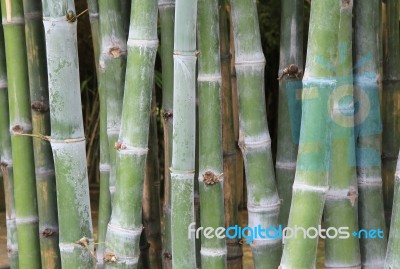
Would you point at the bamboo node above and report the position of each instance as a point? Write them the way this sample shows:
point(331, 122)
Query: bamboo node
point(71, 17)
point(18, 129)
point(84, 242)
point(167, 115)
point(167, 255)
point(39, 106)
point(119, 146)
point(345, 3)
point(115, 52)
point(110, 257)
point(210, 178)
point(292, 71)
point(48, 232)
point(352, 195)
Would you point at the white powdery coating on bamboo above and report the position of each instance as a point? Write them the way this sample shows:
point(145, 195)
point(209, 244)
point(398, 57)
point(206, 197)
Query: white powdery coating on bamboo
point(310, 188)
point(26, 220)
point(369, 181)
point(209, 78)
point(148, 43)
point(257, 141)
point(42, 172)
point(3, 84)
point(340, 194)
point(104, 167)
point(285, 165)
point(116, 229)
point(130, 150)
point(213, 252)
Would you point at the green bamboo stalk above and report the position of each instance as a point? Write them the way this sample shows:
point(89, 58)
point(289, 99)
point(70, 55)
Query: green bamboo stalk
point(341, 206)
point(289, 114)
point(184, 132)
point(125, 227)
point(20, 124)
point(44, 165)
point(112, 67)
point(104, 166)
point(391, 99)
point(213, 250)
point(392, 256)
point(262, 200)
point(234, 249)
point(151, 194)
point(311, 179)
point(93, 9)
point(167, 14)
point(6, 165)
point(368, 130)
point(67, 137)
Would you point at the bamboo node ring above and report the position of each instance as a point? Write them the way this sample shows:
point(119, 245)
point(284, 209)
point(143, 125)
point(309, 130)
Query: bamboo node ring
point(110, 257)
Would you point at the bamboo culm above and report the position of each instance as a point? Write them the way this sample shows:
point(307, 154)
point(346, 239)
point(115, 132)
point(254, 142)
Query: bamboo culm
point(312, 171)
point(254, 140)
point(289, 107)
point(104, 166)
point(342, 198)
point(20, 123)
point(184, 134)
point(167, 13)
point(391, 99)
point(67, 137)
point(125, 226)
point(112, 68)
point(211, 180)
point(6, 165)
point(392, 258)
point(151, 194)
point(44, 164)
point(234, 248)
point(368, 130)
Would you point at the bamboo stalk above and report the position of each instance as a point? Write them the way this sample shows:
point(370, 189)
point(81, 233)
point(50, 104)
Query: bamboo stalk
point(151, 194)
point(67, 137)
point(311, 179)
point(234, 249)
point(44, 165)
point(240, 179)
point(368, 130)
point(391, 99)
point(125, 227)
point(167, 14)
point(392, 258)
point(289, 114)
point(254, 140)
point(184, 131)
point(6, 165)
point(213, 250)
point(112, 68)
point(104, 166)
point(20, 123)
point(341, 206)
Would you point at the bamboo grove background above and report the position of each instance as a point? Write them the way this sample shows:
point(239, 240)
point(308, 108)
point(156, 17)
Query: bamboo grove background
point(153, 115)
